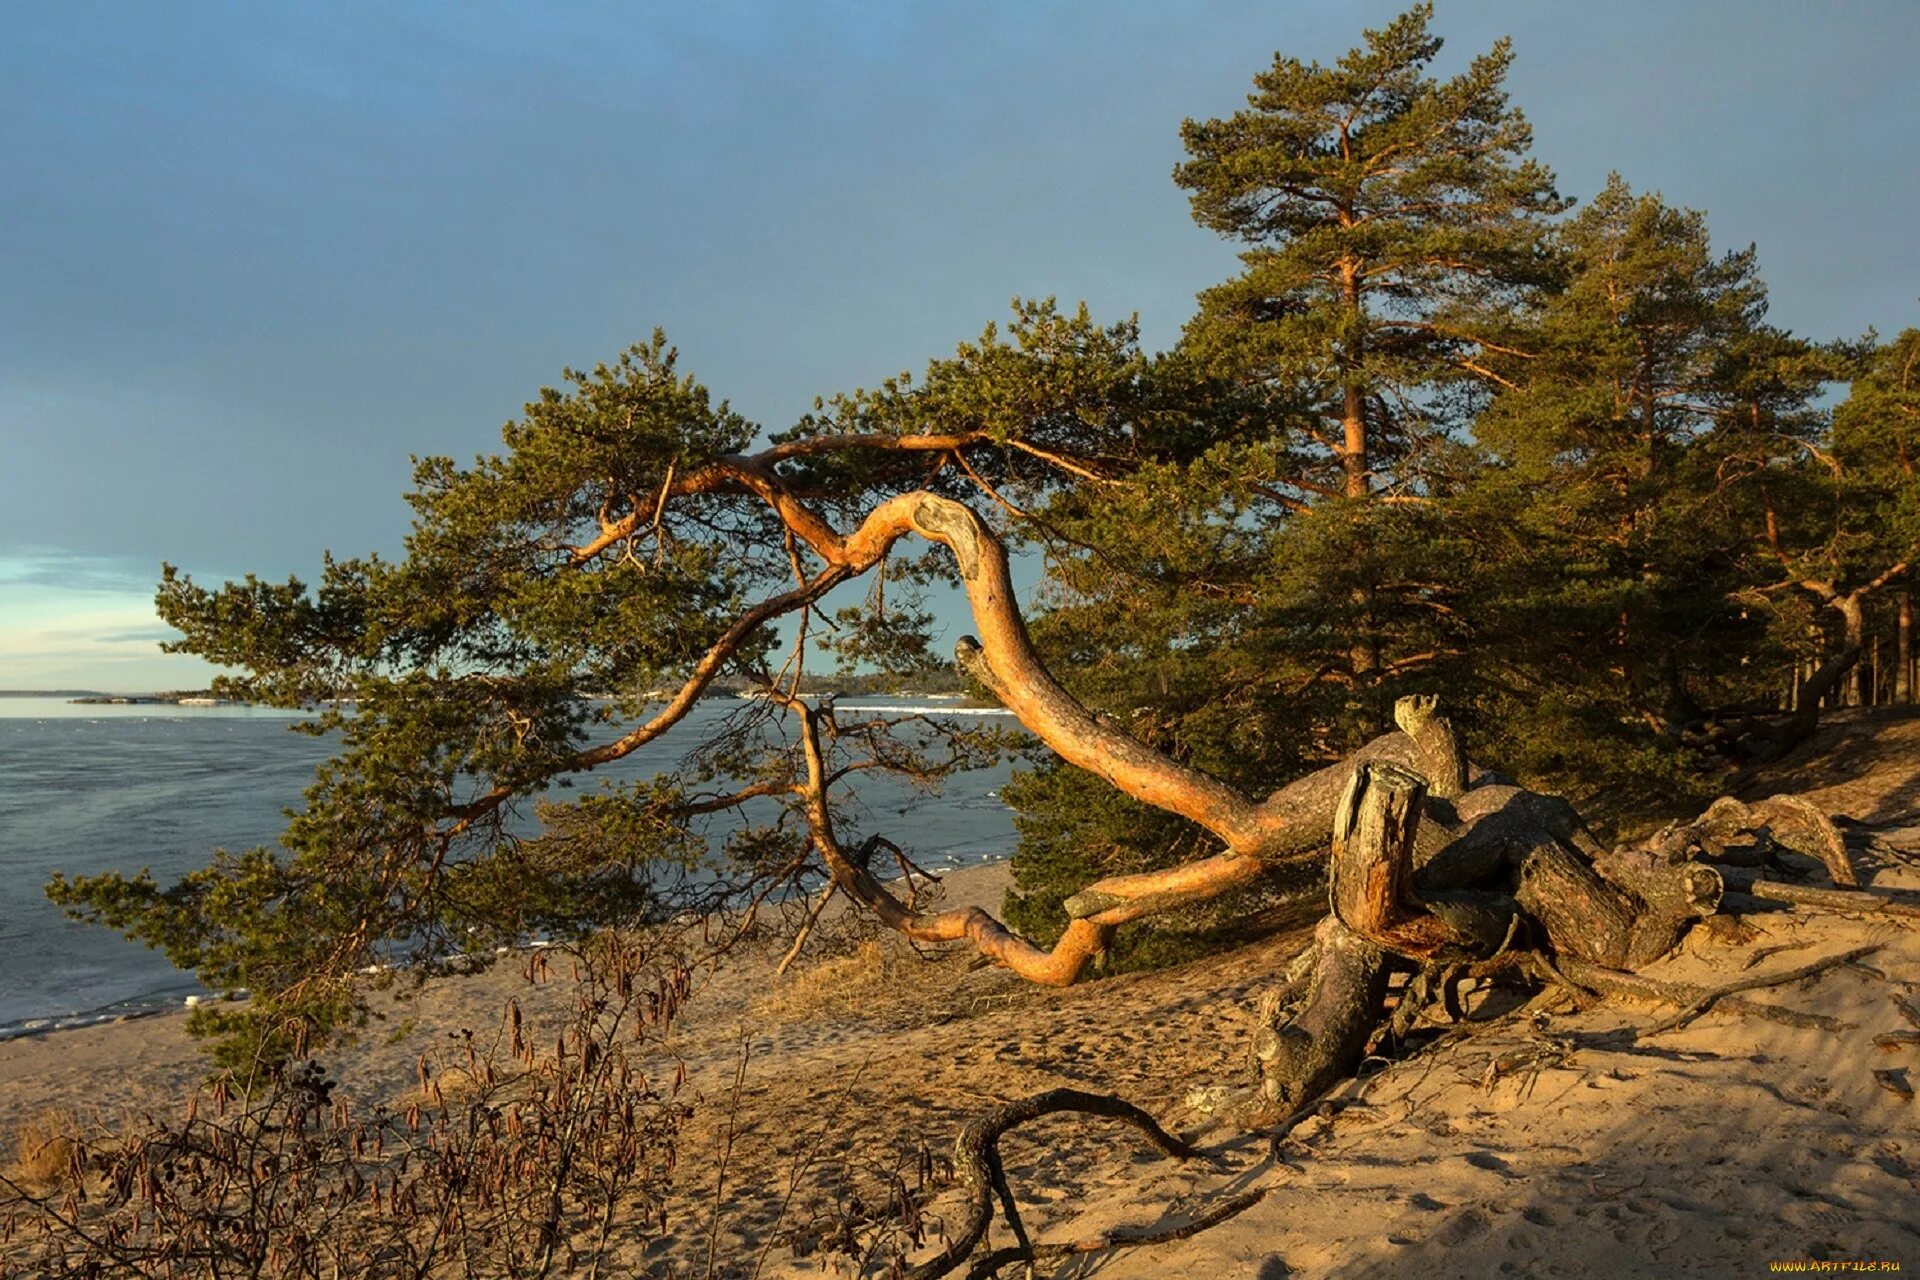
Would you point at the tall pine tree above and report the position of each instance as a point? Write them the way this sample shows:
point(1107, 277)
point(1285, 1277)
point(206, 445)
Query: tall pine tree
point(1380, 208)
point(1254, 599)
point(1613, 527)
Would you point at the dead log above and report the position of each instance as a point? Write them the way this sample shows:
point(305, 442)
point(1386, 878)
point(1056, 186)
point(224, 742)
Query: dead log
point(1370, 875)
point(1426, 744)
point(1372, 915)
point(1743, 834)
point(1803, 827)
point(1583, 915)
point(1673, 891)
point(1443, 756)
point(1323, 1042)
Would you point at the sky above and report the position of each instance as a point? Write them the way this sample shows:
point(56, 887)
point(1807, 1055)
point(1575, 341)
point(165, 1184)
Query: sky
point(253, 257)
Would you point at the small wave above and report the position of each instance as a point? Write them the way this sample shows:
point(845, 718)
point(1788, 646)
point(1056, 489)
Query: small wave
point(120, 1011)
point(903, 709)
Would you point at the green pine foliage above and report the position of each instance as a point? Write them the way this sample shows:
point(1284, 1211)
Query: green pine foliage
point(1613, 518)
point(1383, 211)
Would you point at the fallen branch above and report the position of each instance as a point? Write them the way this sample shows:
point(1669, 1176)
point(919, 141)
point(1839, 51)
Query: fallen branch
point(977, 1158)
point(1700, 1006)
point(1863, 901)
point(1615, 982)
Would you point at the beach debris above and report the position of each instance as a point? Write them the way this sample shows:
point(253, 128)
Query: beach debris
point(1894, 1080)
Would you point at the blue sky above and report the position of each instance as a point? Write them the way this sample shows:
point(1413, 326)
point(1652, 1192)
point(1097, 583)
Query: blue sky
point(253, 256)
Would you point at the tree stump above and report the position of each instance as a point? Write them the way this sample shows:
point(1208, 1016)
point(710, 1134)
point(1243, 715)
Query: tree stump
point(1373, 915)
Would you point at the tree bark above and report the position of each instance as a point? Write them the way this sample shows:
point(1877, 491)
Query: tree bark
point(1324, 1041)
point(1903, 650)
point(1443, 756)
point(1853, 615)
point(1673, 892)
point(1583, 914)
point(1369, 877)
point(1373, 913)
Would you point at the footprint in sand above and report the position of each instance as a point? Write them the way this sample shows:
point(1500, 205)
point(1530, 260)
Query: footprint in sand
point(1491, 1163)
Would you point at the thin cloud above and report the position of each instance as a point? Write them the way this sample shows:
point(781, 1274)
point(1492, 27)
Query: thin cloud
point(76, 571)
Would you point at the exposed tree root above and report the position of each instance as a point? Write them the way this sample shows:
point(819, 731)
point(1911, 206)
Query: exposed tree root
point(1707, 1000)
point(1742, 834)
point(1119, 1237)
point(1694, 1001)
point(1633, 986)
point(977, 1159)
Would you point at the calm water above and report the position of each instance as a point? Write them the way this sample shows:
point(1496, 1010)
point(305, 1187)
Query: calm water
point(117, 788)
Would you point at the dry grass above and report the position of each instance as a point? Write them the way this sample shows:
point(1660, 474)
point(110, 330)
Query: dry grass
point(41, 1153)
point(884, 978)
point(838, 986)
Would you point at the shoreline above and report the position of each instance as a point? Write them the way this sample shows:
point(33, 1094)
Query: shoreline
point(184, 992)
point(977, 883)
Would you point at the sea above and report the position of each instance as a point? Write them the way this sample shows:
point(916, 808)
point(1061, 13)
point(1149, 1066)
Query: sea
point(87, 788)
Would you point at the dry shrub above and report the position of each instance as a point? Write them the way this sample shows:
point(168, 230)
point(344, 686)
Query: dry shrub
point(556, 1151)
point(43, 1149)
point(449, 1086)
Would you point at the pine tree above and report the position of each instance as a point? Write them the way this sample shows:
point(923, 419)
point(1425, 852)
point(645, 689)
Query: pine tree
point(1842, 524)
point(1381, 208)
point(1613, 529)
point(1256, 599)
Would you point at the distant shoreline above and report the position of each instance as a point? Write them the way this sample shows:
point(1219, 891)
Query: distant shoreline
point(949, 702)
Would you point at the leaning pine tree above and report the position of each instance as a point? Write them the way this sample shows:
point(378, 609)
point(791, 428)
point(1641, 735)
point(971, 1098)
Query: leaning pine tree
point(631, 540)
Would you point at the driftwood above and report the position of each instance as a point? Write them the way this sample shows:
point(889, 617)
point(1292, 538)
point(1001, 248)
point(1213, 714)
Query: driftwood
point(1441, 871)
point(1742, 834)
point(1494, 880)
point(1433, 885)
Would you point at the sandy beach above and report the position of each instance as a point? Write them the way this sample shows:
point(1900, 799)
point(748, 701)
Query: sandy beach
point(1575, 1144)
